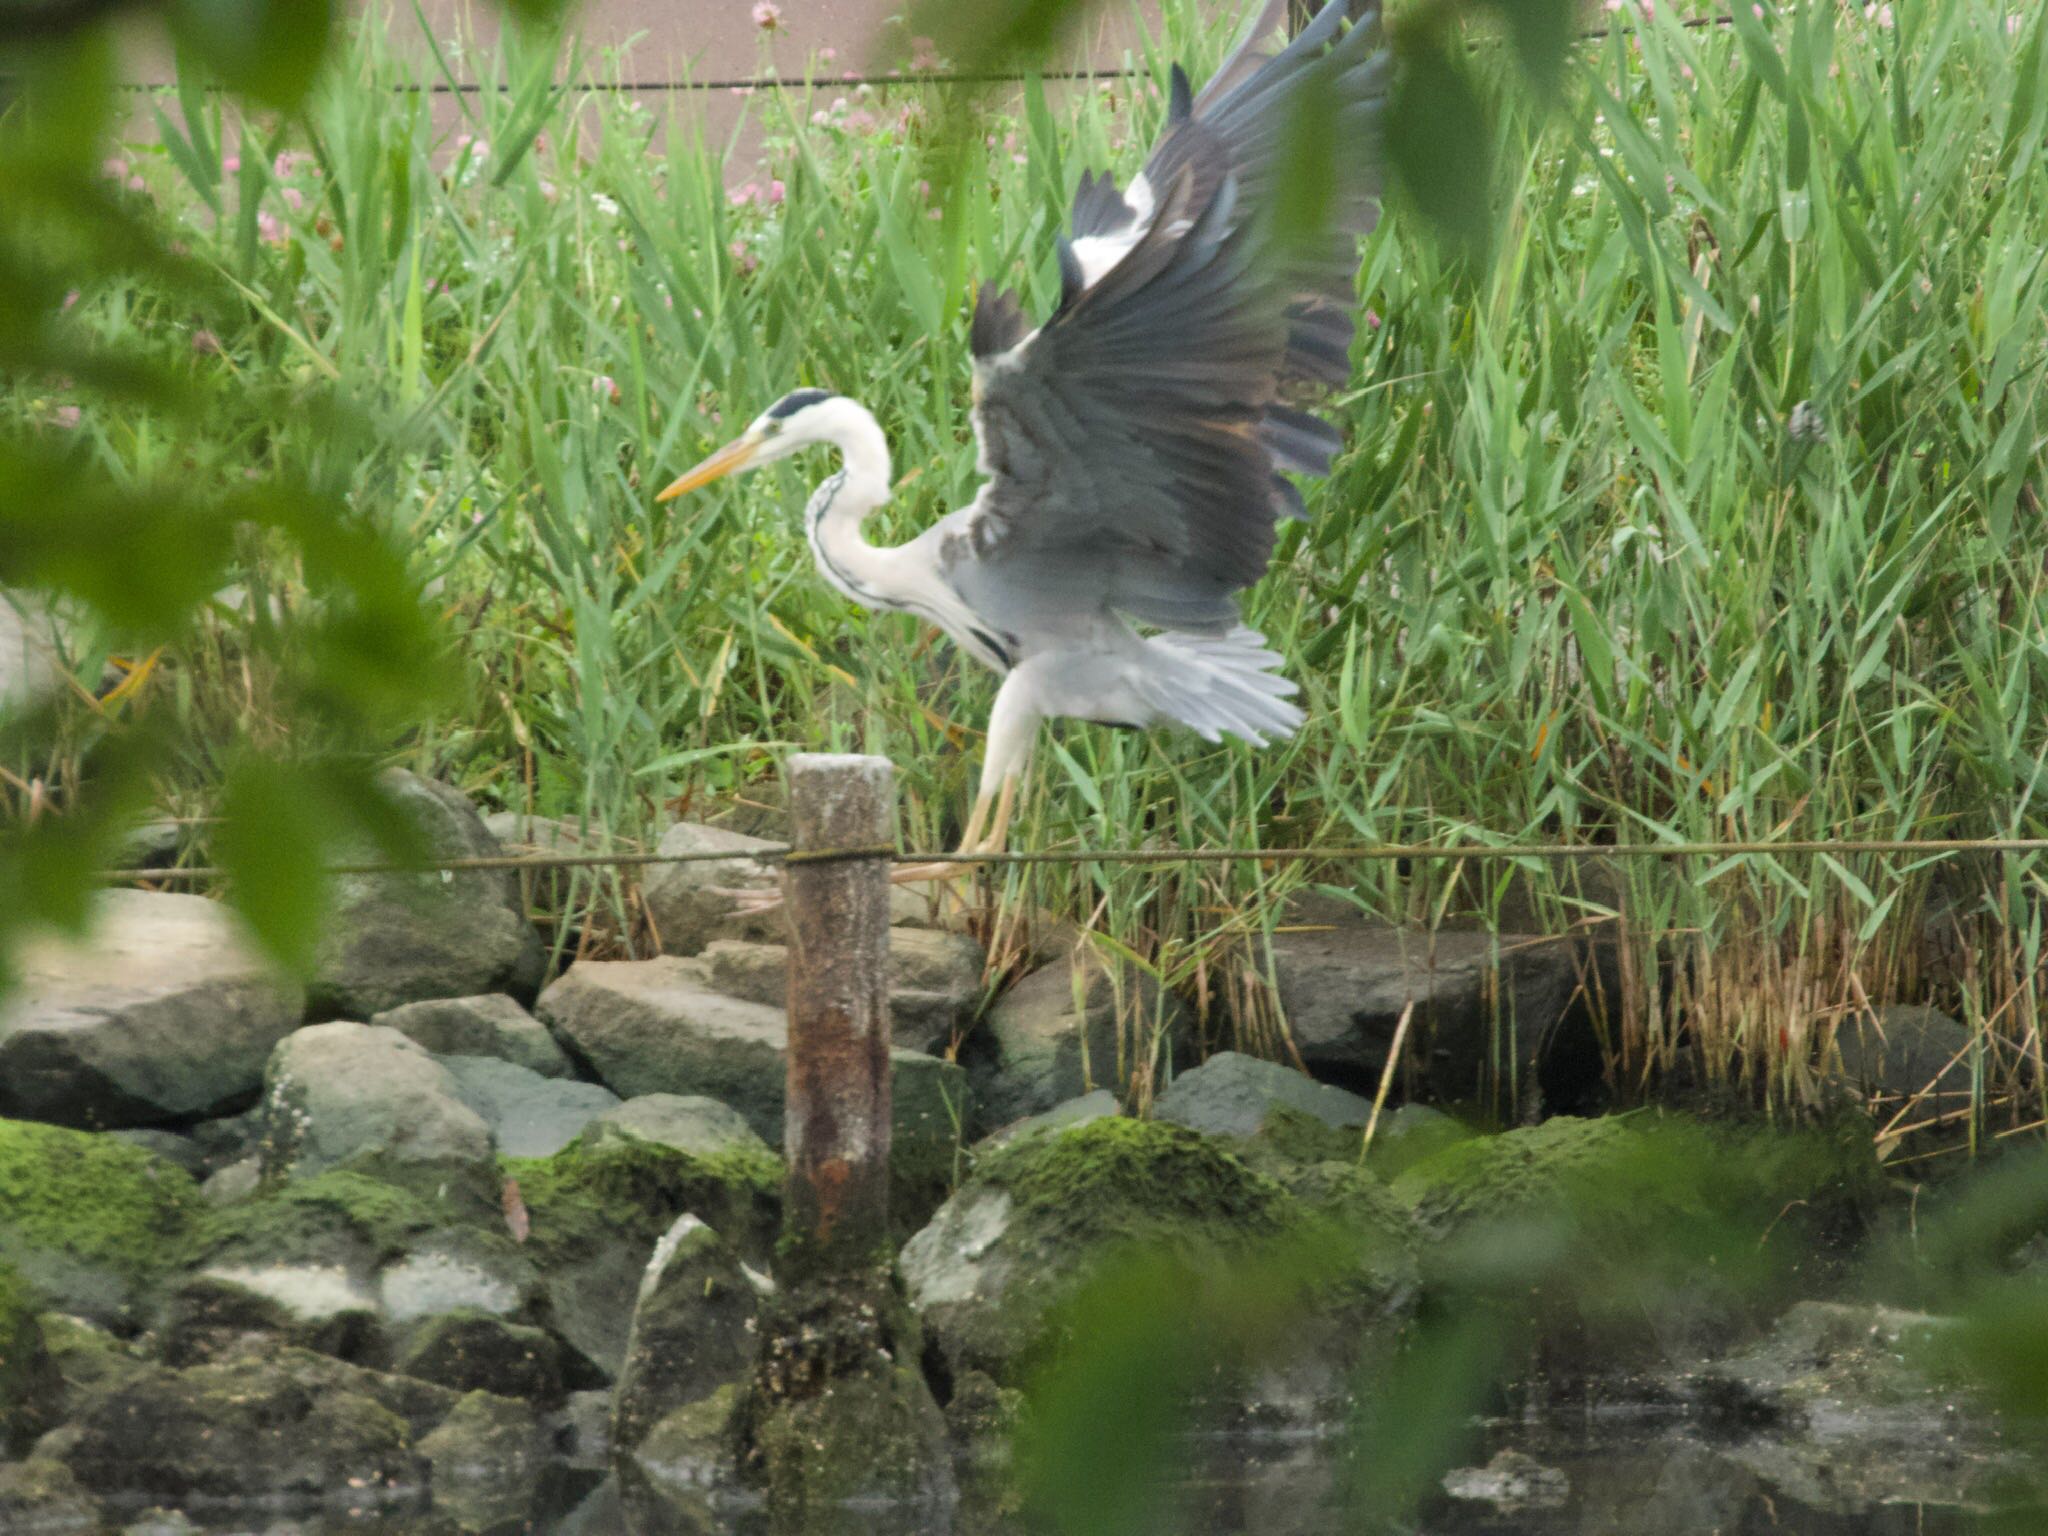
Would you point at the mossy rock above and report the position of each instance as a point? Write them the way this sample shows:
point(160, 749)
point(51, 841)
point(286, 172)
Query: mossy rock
point(597, 1207)
point(870, 1437)
point(41, 1497)
point(994, 1273)
point(339, 1217)
point(89, 1221)
point(27, 1377)
point(1641, 1232)
point(285, 1426)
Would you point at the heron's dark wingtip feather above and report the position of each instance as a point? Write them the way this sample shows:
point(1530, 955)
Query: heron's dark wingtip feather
point(1181, 97)
point(998, 322)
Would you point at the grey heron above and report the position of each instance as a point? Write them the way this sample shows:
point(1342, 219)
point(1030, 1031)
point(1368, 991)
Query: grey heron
point(1137, 444)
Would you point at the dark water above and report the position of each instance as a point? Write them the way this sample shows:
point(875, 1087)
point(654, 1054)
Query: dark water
point(1615, 1472)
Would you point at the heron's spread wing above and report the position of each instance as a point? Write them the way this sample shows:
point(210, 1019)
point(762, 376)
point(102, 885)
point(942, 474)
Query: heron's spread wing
point(1135, 443)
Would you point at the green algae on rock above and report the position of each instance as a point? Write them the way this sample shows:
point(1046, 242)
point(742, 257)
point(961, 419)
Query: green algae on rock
point(992, 1272)
point(89, 1221)
point(27, 1377)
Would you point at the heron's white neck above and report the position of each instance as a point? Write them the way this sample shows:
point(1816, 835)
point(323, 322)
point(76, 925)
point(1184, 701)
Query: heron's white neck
point(863, 571)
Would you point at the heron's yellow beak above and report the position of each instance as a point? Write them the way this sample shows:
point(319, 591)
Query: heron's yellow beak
point(734, 455)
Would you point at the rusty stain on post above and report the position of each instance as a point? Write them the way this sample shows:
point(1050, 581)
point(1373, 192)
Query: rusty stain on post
point(837, 1113)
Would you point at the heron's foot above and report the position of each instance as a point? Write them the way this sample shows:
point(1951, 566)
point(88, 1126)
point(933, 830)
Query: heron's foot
point(748, 900)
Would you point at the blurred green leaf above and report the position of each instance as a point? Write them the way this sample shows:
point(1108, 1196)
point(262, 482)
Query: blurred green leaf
point(1440, 144)
point(278, 825)
point(1543, 32)
point(269, 49)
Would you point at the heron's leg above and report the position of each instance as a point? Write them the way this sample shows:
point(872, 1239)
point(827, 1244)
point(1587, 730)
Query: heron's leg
point(1012, 728)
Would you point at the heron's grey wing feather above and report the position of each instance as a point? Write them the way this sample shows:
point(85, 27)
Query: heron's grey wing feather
point(1134, 443)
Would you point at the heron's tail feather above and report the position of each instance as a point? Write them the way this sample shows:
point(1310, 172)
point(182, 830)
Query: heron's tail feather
point(1221, 683)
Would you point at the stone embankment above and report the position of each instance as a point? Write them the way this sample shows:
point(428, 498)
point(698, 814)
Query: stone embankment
point(428, 1231)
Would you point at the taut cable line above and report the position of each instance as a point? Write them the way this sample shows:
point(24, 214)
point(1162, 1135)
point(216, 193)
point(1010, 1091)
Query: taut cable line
point(1336, 854)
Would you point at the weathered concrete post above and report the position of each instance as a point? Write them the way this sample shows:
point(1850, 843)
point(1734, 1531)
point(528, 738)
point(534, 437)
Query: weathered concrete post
point(836, 1126)
point(840, 1414)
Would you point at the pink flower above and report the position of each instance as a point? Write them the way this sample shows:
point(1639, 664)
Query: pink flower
point(924, 53)
point(741, 90)
point(767, 15)
point(1372, 319)
point(821, 119)
point(2012, 26)
point(776, 193)
point(70, 299)
point(268, 229)
point(606, 388)
point(1757, 11)
point(294, 199)
point(1880, 14)
point(114, 169)
point(137, 184)
point(828, 54)
point(549, 192)
point(740, 197)
point(743, 258)
point(287, 164)
point(232, 165)
point(68, 417)
point(205, 343)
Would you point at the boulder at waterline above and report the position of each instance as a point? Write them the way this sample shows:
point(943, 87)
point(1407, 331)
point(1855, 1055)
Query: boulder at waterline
point(529, 1115)
point(490, 1025)
point(485, 1460)
point(990, 1274)
point(354, 1094)
point(28, 1377)
point(596, 1209)
point(1070, 1027)
point(1345, 987)
point(187, 1153)
point(653, 1026)
point(687, 1122)
point(86, 1358)
point(693, 1330)
point(260, 1425)
point(42, 1497)
point(1850, 1408)
point(1231, 1094)
point(473, 1351)
point(347, 1263)
point(684, 1474)
point(394, 939)
point(162, 1012)
point(1615, 1235)
point(89, 1222)
point(934, 981)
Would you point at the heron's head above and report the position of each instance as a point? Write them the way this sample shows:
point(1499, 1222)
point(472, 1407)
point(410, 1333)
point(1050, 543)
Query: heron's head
point(800, 418)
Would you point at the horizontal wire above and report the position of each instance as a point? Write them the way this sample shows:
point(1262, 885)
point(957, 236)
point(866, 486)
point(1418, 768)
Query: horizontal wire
point(771, 82)
point(1357, 853)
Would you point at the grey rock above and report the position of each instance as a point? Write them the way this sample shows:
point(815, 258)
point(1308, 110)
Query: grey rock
point(400, 938)
point(582, 1429)
point(1344, 989)
point(529, 1115)
point(652, 1026)
point(1088, 1108)
point(689, 903)
point(150, 844)
point(1513, 1481)
point(32, 650)
point(163, 1013)
point(689, 1123)
point(934, 981)
point(490, 1025)
point(1233, 1095)
point(684, 901)
point(1905, 1050)
point(693, 1330)
point(237, 1181)
point(352, 1094)
point(170, 1146)
point(1409, 1134)
point(1039, 1048)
